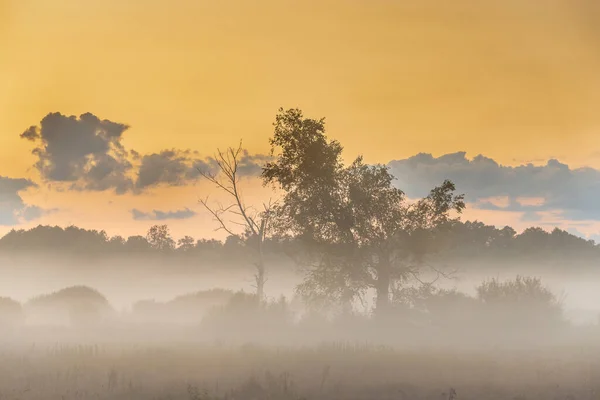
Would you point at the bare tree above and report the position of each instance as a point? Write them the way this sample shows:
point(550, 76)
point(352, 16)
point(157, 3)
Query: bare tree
point(255, 224)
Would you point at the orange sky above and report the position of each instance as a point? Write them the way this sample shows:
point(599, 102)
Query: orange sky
point(514, 80)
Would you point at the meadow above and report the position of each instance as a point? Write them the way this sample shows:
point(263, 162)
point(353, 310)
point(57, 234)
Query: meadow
point(240, 351)
point(332, 371)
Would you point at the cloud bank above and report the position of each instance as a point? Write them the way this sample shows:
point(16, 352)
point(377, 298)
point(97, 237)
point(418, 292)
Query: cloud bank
point(157, 215)
point(87, 153)
point(573, 192)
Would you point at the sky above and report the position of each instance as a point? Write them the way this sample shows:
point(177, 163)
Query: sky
point(500, 96)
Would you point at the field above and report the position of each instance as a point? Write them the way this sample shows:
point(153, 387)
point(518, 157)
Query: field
point(163, 358)
point(339, 371)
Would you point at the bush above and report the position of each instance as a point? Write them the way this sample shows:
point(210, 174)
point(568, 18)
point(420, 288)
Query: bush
point(186, 309)
point(244, 316)
point(524, 302)
point(76, 305)
point(11, 312)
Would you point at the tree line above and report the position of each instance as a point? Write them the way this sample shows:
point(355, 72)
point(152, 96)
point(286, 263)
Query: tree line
point(463, 238)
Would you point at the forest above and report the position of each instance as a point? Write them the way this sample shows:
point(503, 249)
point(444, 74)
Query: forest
point(468, 239)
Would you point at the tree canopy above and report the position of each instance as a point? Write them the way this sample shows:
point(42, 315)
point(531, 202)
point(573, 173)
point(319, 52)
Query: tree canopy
point(361, 228)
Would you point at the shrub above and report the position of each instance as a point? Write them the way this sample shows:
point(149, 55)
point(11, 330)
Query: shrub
point(184, 309)
point(11, 312)
point(244, 316)
point(524, 302)
point(78, 305)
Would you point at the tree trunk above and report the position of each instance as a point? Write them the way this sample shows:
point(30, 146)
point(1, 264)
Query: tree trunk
point(260, 280)
point(260, 272)
point(382, 286)
point(347, 297)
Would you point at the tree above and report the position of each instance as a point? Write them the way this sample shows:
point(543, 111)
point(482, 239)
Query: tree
point(362, 230)
point(116, 243)
point(255, 224)
point(160, 239)
point(137, 243)
point(186, 243)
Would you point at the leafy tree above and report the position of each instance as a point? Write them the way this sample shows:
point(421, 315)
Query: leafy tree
point(160, 239)
point(116, 243)
point(209, 244)
point(137, 243)
point(362, 231)
point(186, 243)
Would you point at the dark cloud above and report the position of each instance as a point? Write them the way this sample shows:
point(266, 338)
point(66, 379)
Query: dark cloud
point(84, 151)
point(572, 191)
point(176, 167)
point(13, 209)
point(251, 164)
point(169, 167)
point(157, 215)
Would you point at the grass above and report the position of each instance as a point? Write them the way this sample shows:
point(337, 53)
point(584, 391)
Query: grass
point(321, 372)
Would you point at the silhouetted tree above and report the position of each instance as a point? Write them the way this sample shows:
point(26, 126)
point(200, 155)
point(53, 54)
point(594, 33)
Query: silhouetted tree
point(209, 244)
point(160, 239)
point(116, 243)
point(137, 243)
point(255, 224)
point(366, 235)
point(186, 244)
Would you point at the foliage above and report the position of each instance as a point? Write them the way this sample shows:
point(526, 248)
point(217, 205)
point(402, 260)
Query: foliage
point(11, 312)
point(78, 304)
point(524, 301)
point(460, 242)
point(186, 244)
point(365, 233)
point(159, 238)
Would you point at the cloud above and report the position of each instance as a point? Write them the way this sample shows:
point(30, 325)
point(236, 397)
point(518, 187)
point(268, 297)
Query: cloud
point(13, 209)
point(157, 215)
point(84, 151)
point(169, 167)
point(251, 164)
point(572, 191)
point(177, 167)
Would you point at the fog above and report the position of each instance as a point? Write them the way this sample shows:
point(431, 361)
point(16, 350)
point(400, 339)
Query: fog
point(140, 327)
point(128, 280)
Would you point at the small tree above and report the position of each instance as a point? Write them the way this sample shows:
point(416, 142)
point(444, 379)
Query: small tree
point(186, 244)
point(160, 239)
point(255, 224)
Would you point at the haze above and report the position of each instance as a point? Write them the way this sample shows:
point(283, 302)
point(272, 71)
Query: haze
point(299, 199)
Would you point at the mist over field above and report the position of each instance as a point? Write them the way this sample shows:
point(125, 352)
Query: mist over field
point(87, 332)
point(419, 222)
point(127, 280)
